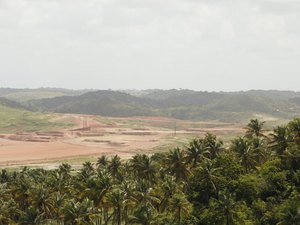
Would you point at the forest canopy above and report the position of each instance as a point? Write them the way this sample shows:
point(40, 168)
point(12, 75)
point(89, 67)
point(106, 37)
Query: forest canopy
point(255, 179)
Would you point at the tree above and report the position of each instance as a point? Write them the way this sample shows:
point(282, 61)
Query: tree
point(247, 153)
point(294, 129)
point(176, 165)
point(255, 128)
point(79, 213)
point(143, 167)
point(102, 161)
point(203, 184)
point(168, 189)
point(9, 212)
point(194, 152)
point(117, 199)
point(41, 199)
point(180, 205)
point(114, 166)
point(213, 146)
point(279, 140)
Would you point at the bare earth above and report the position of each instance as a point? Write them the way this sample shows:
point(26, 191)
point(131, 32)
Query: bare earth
point(94, 136)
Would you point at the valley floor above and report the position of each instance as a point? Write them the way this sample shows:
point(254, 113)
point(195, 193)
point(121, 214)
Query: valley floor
point(93, 136)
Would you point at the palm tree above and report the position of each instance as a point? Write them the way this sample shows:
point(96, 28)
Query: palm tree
point(87, 170)
point(41, 200)
point(279, 140)
point(32, 216)
point(114, 166)
point(176, 165)
point(255, 128)
point(144, 195)
point(207, 179)
point(128, 187)
point(247, 154)
point(58, 200)
point(227, 208)
point(195, 151)
point(143, 167)
point(9, 212)
point(212, 146)
point(292, 157)
point(4, 177)
point(294, 129)
point(20, 192)
point(143, 215)
point(102, 161)
point(64, 171)
point(79, 213)
point(180, 205)
point(117, 199)
point(168, 188)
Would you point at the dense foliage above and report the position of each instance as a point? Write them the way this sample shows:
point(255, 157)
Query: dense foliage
point(181, 104)
point(254, 180)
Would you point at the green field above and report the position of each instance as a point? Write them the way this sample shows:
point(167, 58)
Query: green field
point(17, 120)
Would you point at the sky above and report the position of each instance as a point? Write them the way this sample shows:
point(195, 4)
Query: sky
point(213, 45)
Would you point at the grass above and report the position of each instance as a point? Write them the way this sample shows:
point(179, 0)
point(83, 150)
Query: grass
point(17, 120)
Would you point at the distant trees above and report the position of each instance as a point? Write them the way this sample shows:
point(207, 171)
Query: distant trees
point(253, 180)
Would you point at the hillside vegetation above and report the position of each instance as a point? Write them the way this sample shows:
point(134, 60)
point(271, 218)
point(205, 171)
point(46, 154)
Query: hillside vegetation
point(181, 104)
point(14, 118)
point(254, 181)
point(23, 95)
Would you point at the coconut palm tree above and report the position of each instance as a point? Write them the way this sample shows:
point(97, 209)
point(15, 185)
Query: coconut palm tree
point(294, 129)
point(102, 161)
point(87, 170)
point(115, 166)
point(247, 153)
point(180, 205)
point(117, 199)
point(41, 199)
point(227, 208)
point(143, 167)
point(255, 128)
point(9, 212)
point(168, 189)
point(279, 140)
point(195, 152)
point(205, 181)
point(213, 146)
point(79, 213)
point(176, 164)
point(144, 215)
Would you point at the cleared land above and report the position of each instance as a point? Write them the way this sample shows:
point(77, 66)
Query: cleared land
point(93, 136)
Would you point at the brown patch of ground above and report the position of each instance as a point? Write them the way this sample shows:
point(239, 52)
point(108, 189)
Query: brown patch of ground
point(94, 136)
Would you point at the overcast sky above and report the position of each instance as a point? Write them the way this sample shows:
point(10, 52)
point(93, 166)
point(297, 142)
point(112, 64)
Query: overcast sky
point(138, 44)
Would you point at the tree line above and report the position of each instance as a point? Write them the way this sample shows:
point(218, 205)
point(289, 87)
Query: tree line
point(253, 180)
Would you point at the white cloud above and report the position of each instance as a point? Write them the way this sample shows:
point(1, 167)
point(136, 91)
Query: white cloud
point(146, 43)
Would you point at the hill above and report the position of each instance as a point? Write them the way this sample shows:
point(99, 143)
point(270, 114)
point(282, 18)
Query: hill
point(23, 95)
point(105, 103)
point(181, 104)
point(16, 118)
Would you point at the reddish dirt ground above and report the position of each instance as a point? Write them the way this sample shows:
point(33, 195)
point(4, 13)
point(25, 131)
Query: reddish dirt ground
point(91, 136)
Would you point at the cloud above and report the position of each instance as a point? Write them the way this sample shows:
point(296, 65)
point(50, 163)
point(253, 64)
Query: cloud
point(148, 40)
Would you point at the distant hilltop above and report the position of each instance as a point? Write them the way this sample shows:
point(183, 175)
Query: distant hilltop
point(180, 104)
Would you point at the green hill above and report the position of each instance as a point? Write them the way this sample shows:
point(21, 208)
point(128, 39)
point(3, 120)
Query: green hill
point(182, 104)
point(23, 95)
point(106, 103)
point(14, 118)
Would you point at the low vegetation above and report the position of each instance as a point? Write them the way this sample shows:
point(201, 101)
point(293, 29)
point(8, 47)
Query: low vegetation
point(15, 119)
point(180, 104)
point(255, 180)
